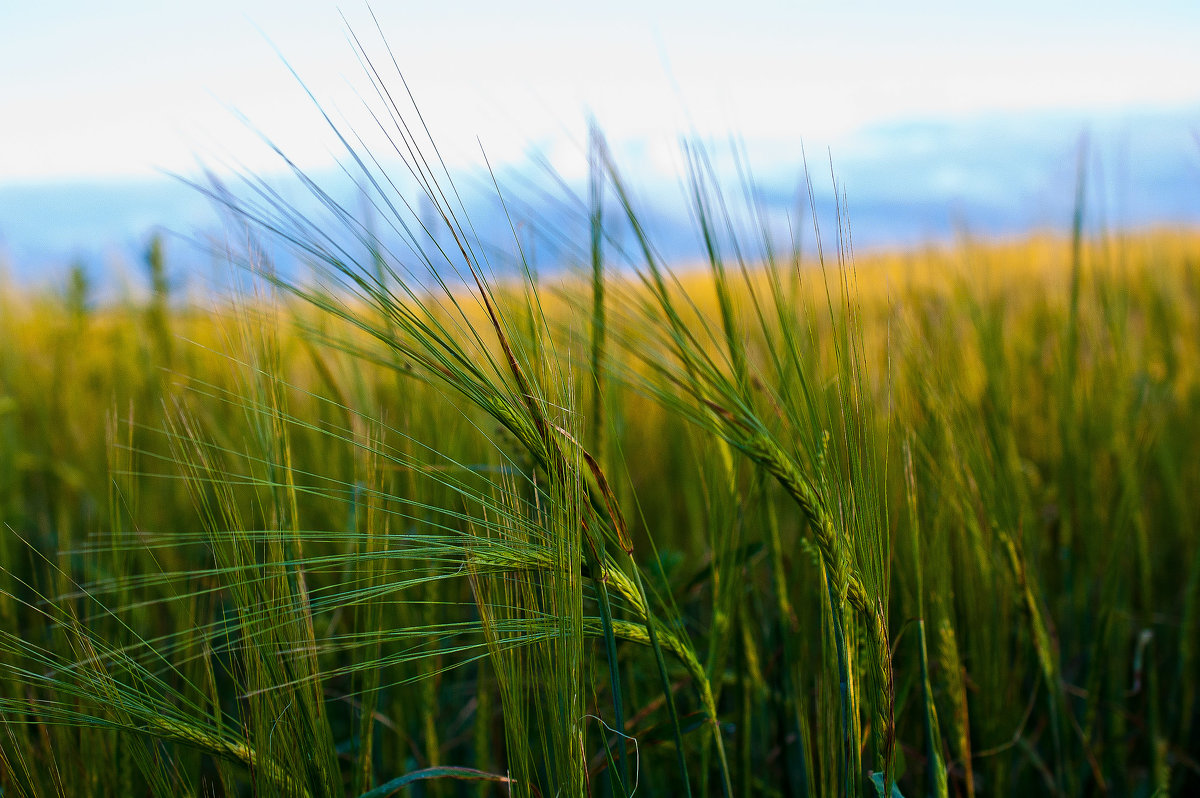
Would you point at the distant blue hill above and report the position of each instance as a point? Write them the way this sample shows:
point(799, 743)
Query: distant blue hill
point(905, 183)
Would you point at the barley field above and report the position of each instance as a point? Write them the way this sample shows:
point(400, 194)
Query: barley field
point(783, 522)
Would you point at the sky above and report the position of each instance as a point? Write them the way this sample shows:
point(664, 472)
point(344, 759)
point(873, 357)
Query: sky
point(933, 115)
point(131, 88)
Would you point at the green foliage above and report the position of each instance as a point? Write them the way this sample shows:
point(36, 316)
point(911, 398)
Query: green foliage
point(918, 526)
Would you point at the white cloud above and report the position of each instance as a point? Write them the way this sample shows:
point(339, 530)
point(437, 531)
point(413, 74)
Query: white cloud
point(139, 85)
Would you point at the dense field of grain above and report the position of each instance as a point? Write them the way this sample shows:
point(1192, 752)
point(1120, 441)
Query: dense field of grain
point(782, 524)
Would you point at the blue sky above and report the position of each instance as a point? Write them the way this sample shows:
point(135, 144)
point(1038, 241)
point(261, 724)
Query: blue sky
point(935, 115)
point(127, 88)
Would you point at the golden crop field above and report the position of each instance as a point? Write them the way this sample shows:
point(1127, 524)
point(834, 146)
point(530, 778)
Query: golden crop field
point(917, 523)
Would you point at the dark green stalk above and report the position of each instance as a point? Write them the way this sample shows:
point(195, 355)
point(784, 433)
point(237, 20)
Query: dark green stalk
point(796, 760)
point(668, 693)
point(597, 429)
point(935, 769)
point(848, 763)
